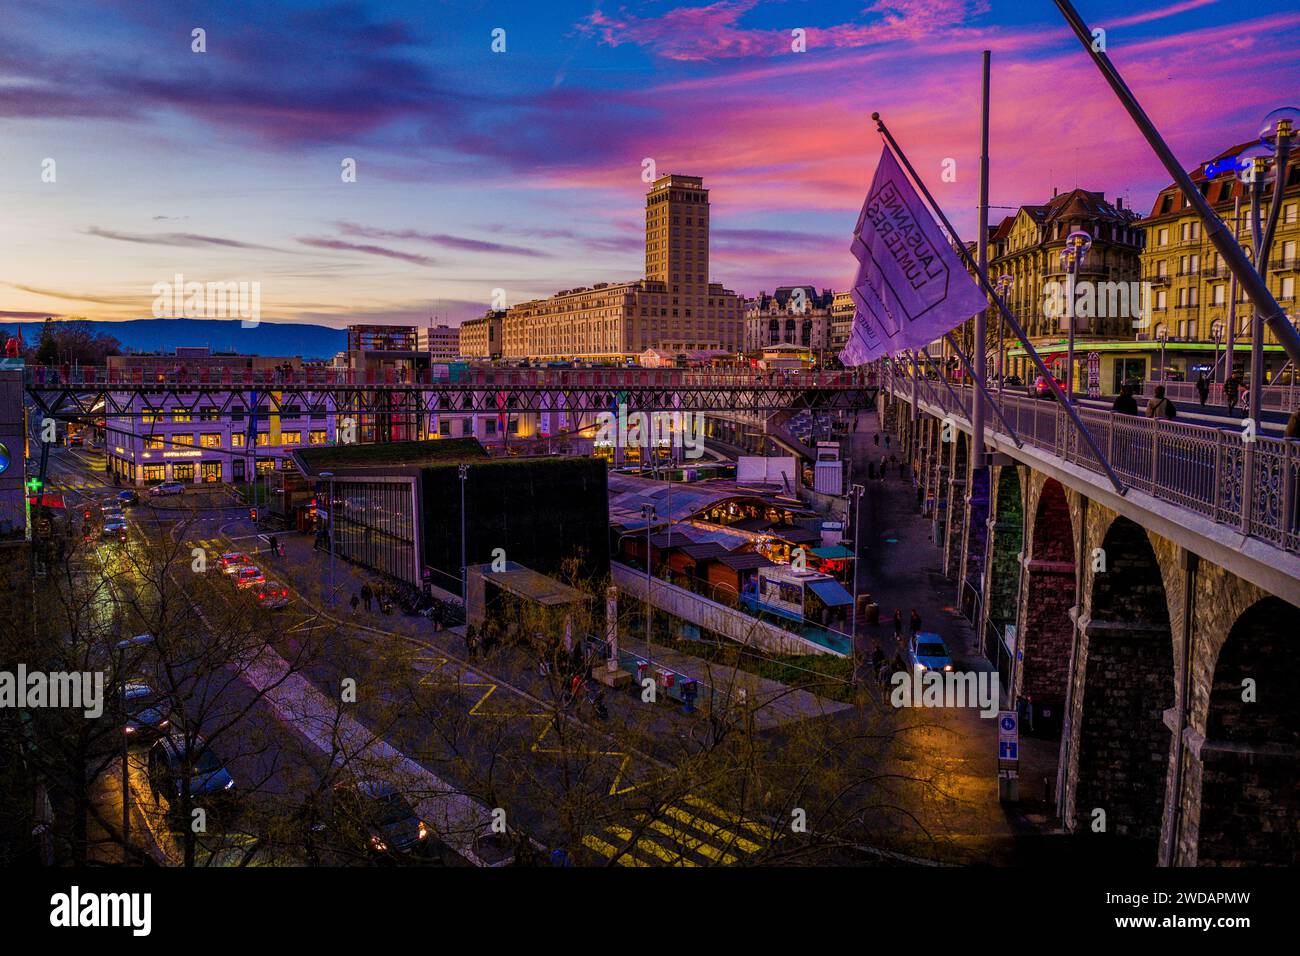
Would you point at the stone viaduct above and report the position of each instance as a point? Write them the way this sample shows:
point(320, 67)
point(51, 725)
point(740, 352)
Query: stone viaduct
point(1167, 656)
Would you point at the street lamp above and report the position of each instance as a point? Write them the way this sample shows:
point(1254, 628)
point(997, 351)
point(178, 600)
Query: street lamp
point(1073, 256)
point(855, 492)
point(1265, 161)
point(1002, 290)
point(1163, 336)
point(330, 516)
point(463, 472)
point(648, 515)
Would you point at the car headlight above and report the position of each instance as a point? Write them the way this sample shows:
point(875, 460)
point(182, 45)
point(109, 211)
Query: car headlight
point(423, 830)
point(129, 729)
point(229, 785)
point(947, 667)
point(378, 844)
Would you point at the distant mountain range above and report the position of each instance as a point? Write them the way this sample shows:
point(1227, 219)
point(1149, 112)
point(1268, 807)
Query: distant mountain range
point(221, 335)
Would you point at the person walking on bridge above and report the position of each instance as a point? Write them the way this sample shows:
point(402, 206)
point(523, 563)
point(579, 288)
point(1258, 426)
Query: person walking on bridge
point(1202, 388)
point(1161, 407)
point(1125, 403)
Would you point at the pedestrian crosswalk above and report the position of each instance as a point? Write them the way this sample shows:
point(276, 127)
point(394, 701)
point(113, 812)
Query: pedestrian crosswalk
point(693, 832)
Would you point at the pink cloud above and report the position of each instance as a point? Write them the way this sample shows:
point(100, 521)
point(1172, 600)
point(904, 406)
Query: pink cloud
point(714, 32)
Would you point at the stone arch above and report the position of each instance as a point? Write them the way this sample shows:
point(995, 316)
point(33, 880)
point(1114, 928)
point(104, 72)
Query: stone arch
point(1250, 806)
point(1128, 684)
point(1047, 630)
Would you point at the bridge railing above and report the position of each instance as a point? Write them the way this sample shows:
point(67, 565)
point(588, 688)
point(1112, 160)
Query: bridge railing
point(1248, 482)
point(466, 377)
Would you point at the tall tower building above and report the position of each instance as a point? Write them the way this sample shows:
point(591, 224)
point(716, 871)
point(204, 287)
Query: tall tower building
point(677, 233)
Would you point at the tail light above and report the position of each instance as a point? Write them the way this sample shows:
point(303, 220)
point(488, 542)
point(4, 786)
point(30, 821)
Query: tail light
point(261, 596)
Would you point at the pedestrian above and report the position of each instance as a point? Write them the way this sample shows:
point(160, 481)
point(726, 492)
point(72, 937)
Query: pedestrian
point(354, 602)
point(1125, 403)
point(1202, 388)
point(898, 623)
point(871, 471)
point(1231, 389)
point(275, 546)
point(1161, 407)
point(367, 595)
point(902, 469)
point(1293, 425)
point(877, 439)
point(886, 439)
point(877, 658)
point(471, 641)
point(916, 622)
point(882, 470)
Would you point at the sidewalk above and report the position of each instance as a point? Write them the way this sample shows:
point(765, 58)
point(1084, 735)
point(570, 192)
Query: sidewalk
point(772, 703)
point(900, 569)
point(307, 571)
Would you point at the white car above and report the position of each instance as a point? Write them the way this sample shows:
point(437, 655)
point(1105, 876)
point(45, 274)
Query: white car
point(168, 488)
point(248, 576)
point(232, 561)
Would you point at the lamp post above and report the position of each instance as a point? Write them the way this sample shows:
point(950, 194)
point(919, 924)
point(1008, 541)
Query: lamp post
point(1257, 165)
point(856, 493)
point(648, 514)
point(330, 514)
point(1002, 290)
point(463, 472)
point(1163, 337)
point(1073, 257)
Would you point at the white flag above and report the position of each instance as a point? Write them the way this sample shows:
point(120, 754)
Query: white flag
point(911, 288)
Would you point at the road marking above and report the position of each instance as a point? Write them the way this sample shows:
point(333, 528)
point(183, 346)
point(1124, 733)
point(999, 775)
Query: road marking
point(649, 846)
point(678, 835)
point(713, 830)
point(612, 852)
point(701, 804)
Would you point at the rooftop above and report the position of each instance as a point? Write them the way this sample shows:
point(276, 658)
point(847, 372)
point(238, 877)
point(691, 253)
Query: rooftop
point(398, 454)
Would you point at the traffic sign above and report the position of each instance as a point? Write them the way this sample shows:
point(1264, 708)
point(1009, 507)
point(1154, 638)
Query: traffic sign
point(1008, 738)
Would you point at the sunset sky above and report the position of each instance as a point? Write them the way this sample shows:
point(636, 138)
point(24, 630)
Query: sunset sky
point(522, 170)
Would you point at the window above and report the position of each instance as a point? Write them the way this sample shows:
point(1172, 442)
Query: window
point(317, 436)
point(237, 440)
point(1162, 237)
point(155, 473)
point(210, 440)
point(183, 439)
point(153, 441)
point(181, 415)
point(263, 439)
point(290, 438)
point(1288, 287)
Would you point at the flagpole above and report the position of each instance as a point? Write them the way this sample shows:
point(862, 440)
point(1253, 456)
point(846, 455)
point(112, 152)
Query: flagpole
point(981, 318)
point(1010, 319)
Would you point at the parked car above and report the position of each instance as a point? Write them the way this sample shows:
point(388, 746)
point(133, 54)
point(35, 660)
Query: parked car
point(927, 652)
point(171, 761)
point(232, 561)
point(271, 595)
point(111, 506)
point(115, 528)
point(248, 576)
point(167, 488)
point(147, 715)
point(127, 497)
point(375, 815)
